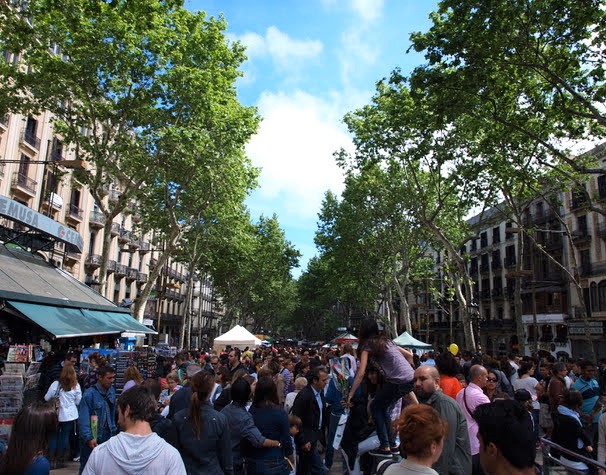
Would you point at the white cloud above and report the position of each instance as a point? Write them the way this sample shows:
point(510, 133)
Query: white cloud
point(368, 10)
point(284, 51)
point(294, 147)
point(357, 52)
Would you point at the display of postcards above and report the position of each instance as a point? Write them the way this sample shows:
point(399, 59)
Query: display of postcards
point(6, 424)
point(31, 382)
point(33, 368)
point(38, 354)
point(11, 402)
point(14, 368)
point(19, 354)
point(11, 382)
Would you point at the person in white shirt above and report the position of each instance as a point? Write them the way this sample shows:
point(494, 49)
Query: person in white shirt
point(67, 394)
point(289, 400)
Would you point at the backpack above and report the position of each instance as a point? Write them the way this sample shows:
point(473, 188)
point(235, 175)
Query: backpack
point(383, 466)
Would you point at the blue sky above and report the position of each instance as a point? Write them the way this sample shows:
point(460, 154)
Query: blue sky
point(310, 62)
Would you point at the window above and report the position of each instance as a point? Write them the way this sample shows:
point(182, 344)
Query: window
point(483, 239)
point(508, 235)
point(582, 224)
point(594, 302)
point(510, 256)
point(602, 186)
point(540, 209)
point(602, 296)
point(496, 259)
point(24, 165)
point(57, 150)
point(500, 313)
point(474, 244)
point(496, 235)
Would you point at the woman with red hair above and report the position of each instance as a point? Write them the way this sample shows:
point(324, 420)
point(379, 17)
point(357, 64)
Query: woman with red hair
point(422, 432)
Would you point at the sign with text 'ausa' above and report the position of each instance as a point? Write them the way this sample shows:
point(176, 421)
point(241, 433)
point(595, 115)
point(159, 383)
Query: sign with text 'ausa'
point(20, 213)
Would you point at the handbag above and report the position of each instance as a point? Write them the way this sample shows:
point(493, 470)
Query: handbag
point(56, 401)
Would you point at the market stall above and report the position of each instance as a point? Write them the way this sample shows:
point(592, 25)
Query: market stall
point(237, 337)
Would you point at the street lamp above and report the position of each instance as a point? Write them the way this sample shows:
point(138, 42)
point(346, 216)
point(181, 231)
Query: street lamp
point(475, 317)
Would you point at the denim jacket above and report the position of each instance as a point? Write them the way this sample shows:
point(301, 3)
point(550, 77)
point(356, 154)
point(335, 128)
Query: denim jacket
point(97, 401)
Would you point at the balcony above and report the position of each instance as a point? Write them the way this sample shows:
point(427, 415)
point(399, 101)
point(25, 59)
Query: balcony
point(141, 278)
point(30, 139)
point(485, 294)
point(121, 269)
point(124, 236)
point(132, 273)
point(24, 184)
point(594, 268)
point(93, 261)
point(135, 242)
point(113, 195)
point(144, 247)
point(111, 266)
point(75, 212)
point(580, 235)
point(72, 256)
point(96, 219)
point(510, 262)
point(115, 229)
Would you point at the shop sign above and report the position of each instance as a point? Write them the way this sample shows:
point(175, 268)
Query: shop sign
point(20, 213)
point(578, 328)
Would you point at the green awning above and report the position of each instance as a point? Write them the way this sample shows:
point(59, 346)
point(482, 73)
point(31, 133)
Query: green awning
point(121, 322)
point(63, 322)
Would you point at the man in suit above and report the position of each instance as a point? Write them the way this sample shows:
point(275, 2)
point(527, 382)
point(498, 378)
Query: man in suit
point(310, 407)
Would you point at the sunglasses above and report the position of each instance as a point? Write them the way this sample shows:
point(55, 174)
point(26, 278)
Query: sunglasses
point(492, 380)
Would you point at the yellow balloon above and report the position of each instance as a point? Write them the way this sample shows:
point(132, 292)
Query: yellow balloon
point(454, 349)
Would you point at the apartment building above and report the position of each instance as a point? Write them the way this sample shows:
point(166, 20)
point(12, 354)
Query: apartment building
point(551, 301)
point(36, 172)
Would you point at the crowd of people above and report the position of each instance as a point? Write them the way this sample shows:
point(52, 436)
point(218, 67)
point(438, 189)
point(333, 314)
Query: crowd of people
point(282, 411)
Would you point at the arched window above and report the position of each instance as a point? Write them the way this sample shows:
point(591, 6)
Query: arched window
point(602, 296)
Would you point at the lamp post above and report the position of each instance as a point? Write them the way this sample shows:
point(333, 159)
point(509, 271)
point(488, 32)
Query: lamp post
point(474, 316)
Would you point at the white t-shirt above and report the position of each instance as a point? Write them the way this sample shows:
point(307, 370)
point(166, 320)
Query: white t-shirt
point(529, 383)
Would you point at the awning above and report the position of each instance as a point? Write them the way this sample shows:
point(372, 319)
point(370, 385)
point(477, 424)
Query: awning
point(63, 322)
point(120, 322)
point(67, 322)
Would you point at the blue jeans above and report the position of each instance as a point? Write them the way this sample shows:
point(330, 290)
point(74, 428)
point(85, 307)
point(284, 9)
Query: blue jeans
point(332, 429)
point(273, 466)
point(310, 463)
point(60, 440)
point(385, 397)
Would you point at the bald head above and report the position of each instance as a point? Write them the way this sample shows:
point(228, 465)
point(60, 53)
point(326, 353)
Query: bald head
point(426, 381)
point(477, 375)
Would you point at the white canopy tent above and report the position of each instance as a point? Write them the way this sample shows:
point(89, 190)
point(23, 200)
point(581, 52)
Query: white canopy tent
point(406, 340)
point(238, 337)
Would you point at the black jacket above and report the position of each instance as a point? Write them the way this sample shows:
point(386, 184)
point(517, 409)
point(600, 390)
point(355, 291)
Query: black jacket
point(566, 432)
point(211, 454)
point(165, 428)
point(306, 407)
point(178, 401)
